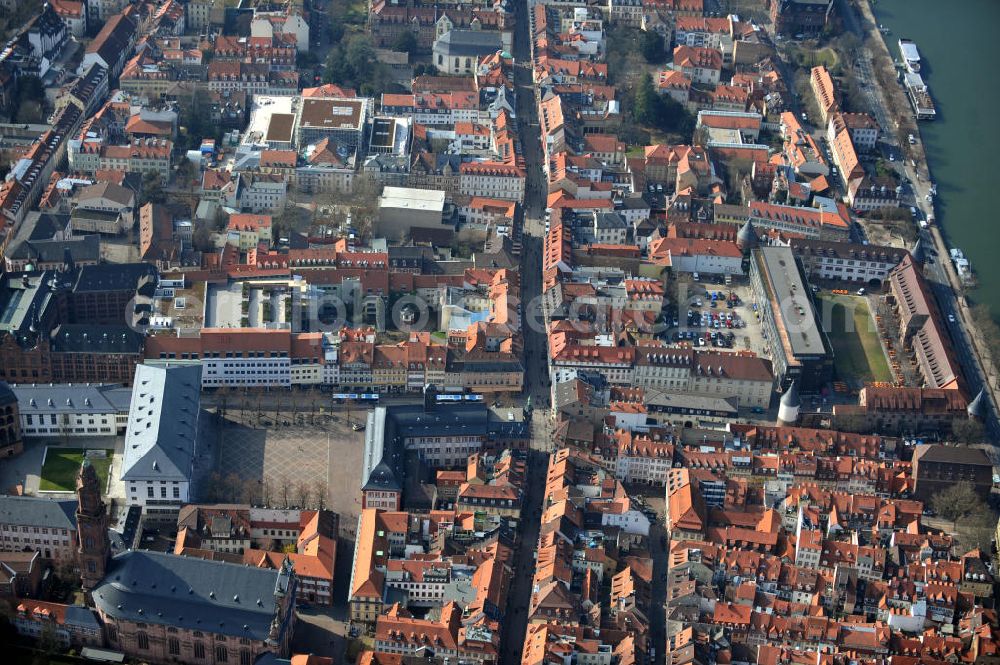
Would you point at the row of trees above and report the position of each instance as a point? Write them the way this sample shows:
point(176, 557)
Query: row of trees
point(278, 492)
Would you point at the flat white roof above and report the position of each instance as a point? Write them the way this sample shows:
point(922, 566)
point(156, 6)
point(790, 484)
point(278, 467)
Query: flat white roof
point(909, 51)
point(264, 106)
point(414, 199)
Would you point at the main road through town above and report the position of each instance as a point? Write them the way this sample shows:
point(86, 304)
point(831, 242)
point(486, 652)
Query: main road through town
point(959, 320)
point(536, 366)
point(536, 359)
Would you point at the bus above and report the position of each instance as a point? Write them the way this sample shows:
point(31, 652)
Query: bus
point(340, 398)
point(458, 397)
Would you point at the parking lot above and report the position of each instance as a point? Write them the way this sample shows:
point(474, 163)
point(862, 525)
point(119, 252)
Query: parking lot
point(714, 315)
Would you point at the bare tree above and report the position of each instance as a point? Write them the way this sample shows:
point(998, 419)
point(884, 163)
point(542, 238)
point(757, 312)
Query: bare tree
point(979, 529)
point(248, 490)
point(302, 494)
point(956, 501)
point(284, 491)
point(968, 431)
point(212, 492)
point(234, 487)
point(319, 493)
point(265, 491)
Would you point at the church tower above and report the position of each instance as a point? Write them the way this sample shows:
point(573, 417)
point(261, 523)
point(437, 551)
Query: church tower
point(788, 408)
point(93, 545)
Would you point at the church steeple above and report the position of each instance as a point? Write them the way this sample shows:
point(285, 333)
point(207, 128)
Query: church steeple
point(69, 265)
point(93, 545)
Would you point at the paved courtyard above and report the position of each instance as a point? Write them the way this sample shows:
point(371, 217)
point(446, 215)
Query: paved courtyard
point(315, 455)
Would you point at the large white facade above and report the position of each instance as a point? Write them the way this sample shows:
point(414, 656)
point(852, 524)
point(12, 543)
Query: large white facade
point(161, 438)
point(68, 410)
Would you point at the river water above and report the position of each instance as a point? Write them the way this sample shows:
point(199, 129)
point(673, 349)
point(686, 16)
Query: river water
point(958, 58)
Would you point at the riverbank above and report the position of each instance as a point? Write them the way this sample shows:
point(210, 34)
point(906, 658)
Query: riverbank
point(919, 172)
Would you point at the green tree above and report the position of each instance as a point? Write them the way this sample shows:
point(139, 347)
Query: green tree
point(675, 117)
point(647, 101)
point(336, 69)
point(29, 89)
point(352, 62)
point(660, 112)
point(306, 60)
point(186, 173)
point(360, 52)
point(955, 502)
point(201, 240)
point(152, 188)
point(405, 41)
point(28, 100)
point(30, 112)
point(196, 121)
point(336, 32)
point(48, 641)
point(651, 47)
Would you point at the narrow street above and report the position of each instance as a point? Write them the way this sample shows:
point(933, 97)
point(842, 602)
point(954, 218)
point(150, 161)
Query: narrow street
point(535, 357)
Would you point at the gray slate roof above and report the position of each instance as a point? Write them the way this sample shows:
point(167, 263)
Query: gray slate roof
point(41, 226)
point(114, 277)
point(82, 248)
point(78, 615)
point(162, 423)
point(86, 338)
point(791, 396)
point(191, 593)
point(468, 43)
point(609, 220)
point(680, 401)
point(382, 459)
point(977, 407)
point(33, 511)
point(81, 398)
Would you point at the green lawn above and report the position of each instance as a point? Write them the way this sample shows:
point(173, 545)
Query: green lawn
point(857, 352)
point(808, 58)
point(62, 464)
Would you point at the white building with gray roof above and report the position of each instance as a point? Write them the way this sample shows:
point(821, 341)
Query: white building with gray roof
point(458, 51)
point(161, 437)
point(72, 409)
point(43, 525)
